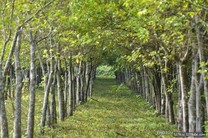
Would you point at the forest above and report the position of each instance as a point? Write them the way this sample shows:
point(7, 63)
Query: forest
point(50, 51)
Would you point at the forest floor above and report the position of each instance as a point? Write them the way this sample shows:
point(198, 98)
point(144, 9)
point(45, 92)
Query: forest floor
point(113, 111)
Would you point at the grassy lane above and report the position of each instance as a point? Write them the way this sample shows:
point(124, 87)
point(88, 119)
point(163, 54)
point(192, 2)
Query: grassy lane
point(113, 111)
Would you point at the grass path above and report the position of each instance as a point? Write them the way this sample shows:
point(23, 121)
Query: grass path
point(113, 112)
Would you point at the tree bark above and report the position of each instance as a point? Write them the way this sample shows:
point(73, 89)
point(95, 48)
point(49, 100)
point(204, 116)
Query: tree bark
point(3, 72)
point(3, 118)
point(53, 102)
point(89, 75)
point(60, 91)
point(202, 59)
point(31, 113)
point(19, 84)
point(171, 114)
point(66, 89)
point(82, 84)
point(156, 84)
point(48, 78)
point(71, 84)
point(199, 112)
point(163, 98)
point(192, 98)
point(92, 77)
point(183, 96)
point(78, 73)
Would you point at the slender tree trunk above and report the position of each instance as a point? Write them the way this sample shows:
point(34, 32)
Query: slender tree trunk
point(170, 85)
point(60, 91)
point(151, 90)
point(156, 85)
point(88, 76)
point(31, 113)
point(71, 93)
point(179, 109)
point(73, 97)
point(46, 95)
point(47, 83)
point(192, 98)
point(202, 59)
point(8, 61)
point(199, 113)
point(3, 118)
point(77, 87)
point(146, 86)
point(4, 71)
point(66, 89)
point(163, 98)
point(18, 96)
point(82, 84)
point(93, 72)
point(171, 114)
point(48, 117)
point(183, 97)
point(87, 73)
point(81, 89)
point(78, 71)
point(11, 81)
point(88, 81)
point(53, 102)
point(142, 84)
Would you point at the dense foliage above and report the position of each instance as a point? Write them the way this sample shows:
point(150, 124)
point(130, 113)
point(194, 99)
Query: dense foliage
point(157, 47)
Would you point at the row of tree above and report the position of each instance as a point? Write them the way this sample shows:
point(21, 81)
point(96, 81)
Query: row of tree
point(168, 67)
point(158, 48)
point(37, 52)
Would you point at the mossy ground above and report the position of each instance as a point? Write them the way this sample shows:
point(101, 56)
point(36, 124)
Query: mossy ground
point(114, 111)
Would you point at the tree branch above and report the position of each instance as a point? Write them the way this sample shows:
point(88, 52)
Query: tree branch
point(36, 13)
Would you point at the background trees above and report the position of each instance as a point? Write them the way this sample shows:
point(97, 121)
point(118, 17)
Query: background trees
point(158, 48)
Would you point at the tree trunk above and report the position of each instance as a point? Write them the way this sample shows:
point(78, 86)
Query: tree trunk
point(92, 77)
point(66, 89)
point(89, 71)
point(53, 102)
point(71, 93)
point(82, 85)
point(78, 75)
point(3, 73)
point(60, 91)
point(48, 117)
point(77, 87)
point(156, 84)
point(163, 99)
point(192, 98)
point(3, 118)
point(87, 80)
point(183, 96)
point(171, 115)
point(47, 82)
point(31, 112)
point(202, 60)
point(143, 84)
point(146, 86)
point(18, 96)
point(199, 113)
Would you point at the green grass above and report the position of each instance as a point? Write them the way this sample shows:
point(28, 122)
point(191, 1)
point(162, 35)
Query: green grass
point(105, 71)
point(25, 105)
point(113, 112)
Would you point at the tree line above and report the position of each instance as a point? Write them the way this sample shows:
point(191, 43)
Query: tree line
point(169, 68)
point(158, 48)
point(34, 54)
